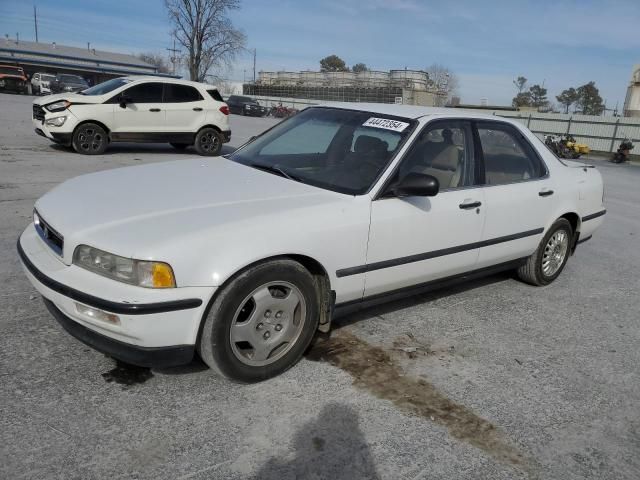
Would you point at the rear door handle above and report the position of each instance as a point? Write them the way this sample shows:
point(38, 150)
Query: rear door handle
point(154, 109)
point(469, 206)
point(545, 193)
point(197, 109)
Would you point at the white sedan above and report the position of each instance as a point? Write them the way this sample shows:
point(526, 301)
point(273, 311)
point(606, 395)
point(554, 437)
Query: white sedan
point(244, 258)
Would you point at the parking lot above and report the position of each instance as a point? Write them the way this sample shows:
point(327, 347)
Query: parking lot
point(490, 379)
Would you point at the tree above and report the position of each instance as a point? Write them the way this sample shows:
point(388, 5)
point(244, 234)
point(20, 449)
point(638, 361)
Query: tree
point(156, 60)
point(522, 99)
point(538, 96)
point(567, 98)
point(333, 63)
point(359, 67)
point(442, 80)
point(203, 28)
point(589, 99)
point(520, 83)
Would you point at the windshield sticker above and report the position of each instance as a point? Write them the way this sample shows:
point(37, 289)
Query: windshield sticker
point(386, 124)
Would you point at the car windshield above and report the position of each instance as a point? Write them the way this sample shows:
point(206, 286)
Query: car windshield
point(106, 87)
point(10, 71)
point(71, 79)
point(340, 150)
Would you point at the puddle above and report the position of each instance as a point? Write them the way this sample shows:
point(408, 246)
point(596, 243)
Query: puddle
point(125, 374)
point(374, 370)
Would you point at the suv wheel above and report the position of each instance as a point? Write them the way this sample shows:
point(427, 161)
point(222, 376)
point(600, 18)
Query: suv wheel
point(208, 142)
point(261, 323)
point(90, 139)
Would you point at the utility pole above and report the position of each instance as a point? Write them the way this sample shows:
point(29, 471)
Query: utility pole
point(35, 21)
point(174, 57)
point(254, 65)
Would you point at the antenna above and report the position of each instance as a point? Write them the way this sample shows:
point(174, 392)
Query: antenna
point(173, 57)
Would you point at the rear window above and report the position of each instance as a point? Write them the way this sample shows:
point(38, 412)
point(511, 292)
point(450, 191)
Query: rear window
point(215, 94)
point(174, 93)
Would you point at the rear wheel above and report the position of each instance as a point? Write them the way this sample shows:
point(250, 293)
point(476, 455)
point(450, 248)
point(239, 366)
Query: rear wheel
point(208, 142)
point(90, 139)
point(261, 323)
point(179, 146)
point(548, 261)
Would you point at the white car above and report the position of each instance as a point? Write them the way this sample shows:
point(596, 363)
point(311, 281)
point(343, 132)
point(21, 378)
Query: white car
point(136, 109)
point(41, 83)
point(243, 258)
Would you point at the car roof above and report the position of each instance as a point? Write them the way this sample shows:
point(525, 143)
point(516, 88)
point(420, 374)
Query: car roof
point(413, 111)
point(135, 78)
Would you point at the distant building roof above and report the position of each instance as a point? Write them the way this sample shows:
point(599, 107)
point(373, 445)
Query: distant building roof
point(52, 54)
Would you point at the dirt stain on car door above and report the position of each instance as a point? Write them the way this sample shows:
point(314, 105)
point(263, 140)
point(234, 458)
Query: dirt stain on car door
point(373, 369)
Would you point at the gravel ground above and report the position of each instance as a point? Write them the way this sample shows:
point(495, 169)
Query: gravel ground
point(491, 379)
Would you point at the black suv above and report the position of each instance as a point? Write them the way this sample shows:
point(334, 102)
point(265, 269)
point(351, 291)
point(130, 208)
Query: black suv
point(68, 83)
point(246, 106)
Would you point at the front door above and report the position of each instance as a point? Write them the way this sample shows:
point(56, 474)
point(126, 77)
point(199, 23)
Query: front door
point(518, 194)
point(143, 115)
point(414, 240)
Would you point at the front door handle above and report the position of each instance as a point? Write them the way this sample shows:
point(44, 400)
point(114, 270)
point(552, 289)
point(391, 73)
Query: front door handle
point(197, 109)
point(470, 205)
point(154, 109)
point(545, 193)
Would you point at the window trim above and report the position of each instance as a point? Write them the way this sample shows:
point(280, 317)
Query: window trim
point(380, 195)
point(523, 139)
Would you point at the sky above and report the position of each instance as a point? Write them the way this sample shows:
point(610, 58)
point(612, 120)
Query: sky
point(485, 43)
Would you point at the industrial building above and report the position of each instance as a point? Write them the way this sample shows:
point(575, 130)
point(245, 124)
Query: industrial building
point(632, 100)
point(95, 66)
point(410, 87)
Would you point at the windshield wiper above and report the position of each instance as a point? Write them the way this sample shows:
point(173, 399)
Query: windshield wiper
point(276, 170)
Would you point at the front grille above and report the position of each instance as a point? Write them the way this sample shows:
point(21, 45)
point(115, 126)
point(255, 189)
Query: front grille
point(50, 236)
point(38, 113)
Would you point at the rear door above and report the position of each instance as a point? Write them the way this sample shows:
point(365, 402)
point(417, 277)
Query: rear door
point(184, 107)
point(518, 192)
point(143, 114)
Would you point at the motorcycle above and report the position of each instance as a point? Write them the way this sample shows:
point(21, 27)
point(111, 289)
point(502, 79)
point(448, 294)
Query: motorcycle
point(558, 147)
point(573, 149)
point(623, 152)
point(280, 111)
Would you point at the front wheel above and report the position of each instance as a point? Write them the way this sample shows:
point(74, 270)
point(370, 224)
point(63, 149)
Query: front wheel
point(548, 261)
point(208, 142)
point(90, 139)
point(261, 323)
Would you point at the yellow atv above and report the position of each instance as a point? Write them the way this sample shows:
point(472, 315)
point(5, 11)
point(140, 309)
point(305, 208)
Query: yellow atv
point(573, 149)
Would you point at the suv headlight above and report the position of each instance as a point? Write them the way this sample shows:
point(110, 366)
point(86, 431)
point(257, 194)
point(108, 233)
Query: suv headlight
point(56, 121)
point(58, 106)
point(134, 272)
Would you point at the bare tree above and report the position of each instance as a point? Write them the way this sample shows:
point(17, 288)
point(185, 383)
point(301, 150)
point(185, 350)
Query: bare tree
point(156, 60)
point(203, 28)
point(443, 79)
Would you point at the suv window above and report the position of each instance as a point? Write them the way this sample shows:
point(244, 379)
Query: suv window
point(508, 157)
point(215, 94)
point(174, 93)
point(144, 93)
point(443, 150)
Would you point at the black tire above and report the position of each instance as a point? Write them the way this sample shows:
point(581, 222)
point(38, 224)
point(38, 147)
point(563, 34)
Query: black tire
point(215, 343)
point(208, 142)
point(179, 146)
point(532, 271)
point(90, 139)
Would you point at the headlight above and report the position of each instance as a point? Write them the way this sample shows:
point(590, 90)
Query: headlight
point(135, 272)
point(58, 106)
point(56, 121)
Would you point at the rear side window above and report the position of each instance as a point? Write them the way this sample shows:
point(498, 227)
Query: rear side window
point(174, 93)
point(144, 93)
point(508, 157)
point(215, 94)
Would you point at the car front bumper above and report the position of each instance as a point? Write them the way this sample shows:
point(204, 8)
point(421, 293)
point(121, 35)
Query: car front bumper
point(62, 134)
point(156, 328)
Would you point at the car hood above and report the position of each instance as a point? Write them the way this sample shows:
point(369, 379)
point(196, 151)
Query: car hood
point(70, 96)
point(130, 210)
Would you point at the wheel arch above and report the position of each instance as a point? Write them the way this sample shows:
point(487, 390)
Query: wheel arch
point(97, 122)
point(574, 219)
point(208, 125)
point(326, 297)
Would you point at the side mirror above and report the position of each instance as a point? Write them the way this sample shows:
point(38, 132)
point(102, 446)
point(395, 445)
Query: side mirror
point(416, 185)
point(124, 100)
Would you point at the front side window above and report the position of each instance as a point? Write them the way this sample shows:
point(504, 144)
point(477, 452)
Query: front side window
point(508, 157)
point(443, 150)
point(144, 93)
point(340, 150)
point(174, 93)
